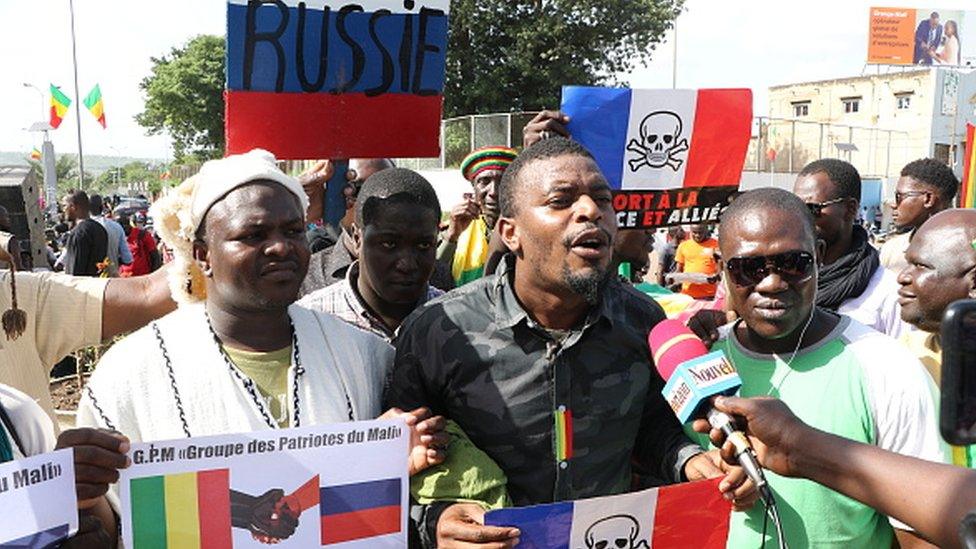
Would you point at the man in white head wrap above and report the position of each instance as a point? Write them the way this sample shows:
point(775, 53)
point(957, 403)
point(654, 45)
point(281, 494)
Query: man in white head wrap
point(238, 355)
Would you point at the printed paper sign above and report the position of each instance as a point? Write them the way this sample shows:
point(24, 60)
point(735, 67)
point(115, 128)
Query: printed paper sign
point(37, 496)
point(336, 79)
point(341, 485)
point(673, 517)
point(672, 156)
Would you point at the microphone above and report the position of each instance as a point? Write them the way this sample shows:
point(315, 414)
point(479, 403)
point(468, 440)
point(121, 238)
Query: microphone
point(694, 377)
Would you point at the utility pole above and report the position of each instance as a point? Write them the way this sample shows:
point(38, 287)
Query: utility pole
point(74, 58)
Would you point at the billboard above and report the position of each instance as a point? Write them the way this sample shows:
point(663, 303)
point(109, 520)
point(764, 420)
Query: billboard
point(922, 36)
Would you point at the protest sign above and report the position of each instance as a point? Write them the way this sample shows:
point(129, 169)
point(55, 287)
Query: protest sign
point(672, 157)
point(37, 495)
point(922, 36)
point(341, 484)
point(335, 79)
point(673, 517)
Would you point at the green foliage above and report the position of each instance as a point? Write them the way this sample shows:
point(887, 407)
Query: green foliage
point(184, 98)
point(514, 55)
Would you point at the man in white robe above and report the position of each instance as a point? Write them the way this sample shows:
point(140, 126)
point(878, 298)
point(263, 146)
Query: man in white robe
point(238, 355)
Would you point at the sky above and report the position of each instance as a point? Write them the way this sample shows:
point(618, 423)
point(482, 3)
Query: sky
point(721, 43)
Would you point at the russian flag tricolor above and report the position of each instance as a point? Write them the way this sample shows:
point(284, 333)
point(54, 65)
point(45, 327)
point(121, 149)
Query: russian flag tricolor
point(663, 139)
point(673, 517)
point(361, 510)
point(334, 79)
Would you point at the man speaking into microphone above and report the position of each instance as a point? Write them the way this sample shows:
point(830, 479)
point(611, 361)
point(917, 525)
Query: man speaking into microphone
point(834, 373)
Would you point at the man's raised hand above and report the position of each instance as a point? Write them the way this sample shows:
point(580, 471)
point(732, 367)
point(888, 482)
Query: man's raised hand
point(545, 124)
point(428, 439)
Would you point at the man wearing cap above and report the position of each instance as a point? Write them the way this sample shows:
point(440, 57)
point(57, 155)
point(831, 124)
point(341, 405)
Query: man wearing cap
point(465, 245)
point(237, 355)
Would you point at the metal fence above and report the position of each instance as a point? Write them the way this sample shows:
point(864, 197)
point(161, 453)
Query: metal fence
point(776, 145)
point(784, 146)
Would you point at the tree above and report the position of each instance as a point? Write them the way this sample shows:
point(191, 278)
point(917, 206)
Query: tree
point(184, 98)
point(510, 55)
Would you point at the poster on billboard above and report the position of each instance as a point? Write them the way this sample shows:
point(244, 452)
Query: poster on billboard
point(922, 36)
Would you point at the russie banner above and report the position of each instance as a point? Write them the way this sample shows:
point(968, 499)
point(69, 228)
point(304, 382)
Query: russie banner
point(672, 156)
point(334, 79)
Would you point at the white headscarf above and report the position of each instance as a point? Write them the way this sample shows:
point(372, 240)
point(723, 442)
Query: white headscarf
point(179, 214)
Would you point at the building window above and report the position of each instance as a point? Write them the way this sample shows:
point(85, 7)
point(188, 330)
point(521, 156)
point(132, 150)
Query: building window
point(852, 104)
point(903, 101)
point(801, 108)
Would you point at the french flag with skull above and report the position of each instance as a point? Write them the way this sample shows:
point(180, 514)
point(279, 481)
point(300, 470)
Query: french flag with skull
point(690, 515)
point(662, 139)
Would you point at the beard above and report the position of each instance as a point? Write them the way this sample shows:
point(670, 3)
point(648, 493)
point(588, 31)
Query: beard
point(588, 284)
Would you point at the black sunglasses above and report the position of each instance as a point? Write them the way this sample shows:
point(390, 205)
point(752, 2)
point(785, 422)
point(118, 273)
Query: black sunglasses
point(817, 208)
point(792, 267)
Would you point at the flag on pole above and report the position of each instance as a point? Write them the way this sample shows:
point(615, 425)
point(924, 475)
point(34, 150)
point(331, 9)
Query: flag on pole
point(186, 510)
point(967, 192)
point(94, 103)
point(35, 154)
point(692, 514)
point(59, 106)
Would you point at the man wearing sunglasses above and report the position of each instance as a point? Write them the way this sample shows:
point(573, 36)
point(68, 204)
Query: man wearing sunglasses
point(926, 187)
point(832, 371)
point(852, 281)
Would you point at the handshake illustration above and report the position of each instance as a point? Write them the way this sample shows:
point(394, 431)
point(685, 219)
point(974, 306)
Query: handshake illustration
point(272, 516)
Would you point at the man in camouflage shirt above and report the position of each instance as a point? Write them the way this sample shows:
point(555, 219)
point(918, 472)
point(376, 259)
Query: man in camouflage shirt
point(545, 364)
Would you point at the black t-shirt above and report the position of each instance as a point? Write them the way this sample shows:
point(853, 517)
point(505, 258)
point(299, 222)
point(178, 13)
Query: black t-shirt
point(87, 246)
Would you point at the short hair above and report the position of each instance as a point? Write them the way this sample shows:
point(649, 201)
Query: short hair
point(546, 148)
point(394, 186)
point(79, 199)
point(96, 202)
point(766, 200)
point(934, 173)
point(843, 174)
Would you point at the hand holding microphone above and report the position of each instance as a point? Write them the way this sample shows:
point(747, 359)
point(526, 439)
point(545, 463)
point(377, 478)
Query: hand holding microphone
point(694, 377)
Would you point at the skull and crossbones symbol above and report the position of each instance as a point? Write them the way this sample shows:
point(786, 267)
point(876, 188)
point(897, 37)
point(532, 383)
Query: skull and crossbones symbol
point(614, 532)
point(659, 146)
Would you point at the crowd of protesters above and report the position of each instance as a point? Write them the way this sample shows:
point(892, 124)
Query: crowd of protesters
point(481, 329)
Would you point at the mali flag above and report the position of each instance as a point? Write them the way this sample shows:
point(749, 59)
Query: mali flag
point(35, 154)
point(94, 103)
point(471, 253)
point(182, 511)
point(967, 191)
point(59, 106)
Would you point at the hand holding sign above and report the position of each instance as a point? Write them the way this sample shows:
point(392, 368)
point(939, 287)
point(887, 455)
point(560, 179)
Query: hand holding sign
point(98, 456)
point(428, 439)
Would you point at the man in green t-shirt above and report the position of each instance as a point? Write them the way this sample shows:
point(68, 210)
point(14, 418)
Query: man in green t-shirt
point(835, 373)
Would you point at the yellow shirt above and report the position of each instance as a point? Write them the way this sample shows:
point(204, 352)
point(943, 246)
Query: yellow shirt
point(698, 258)
point(926, 348)
point(64, 314)
point(269, 372)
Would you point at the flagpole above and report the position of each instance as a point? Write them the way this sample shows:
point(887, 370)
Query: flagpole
point(74, 58)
